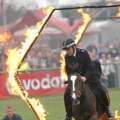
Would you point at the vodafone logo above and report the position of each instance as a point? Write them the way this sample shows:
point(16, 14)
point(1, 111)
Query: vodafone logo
point(36, 83)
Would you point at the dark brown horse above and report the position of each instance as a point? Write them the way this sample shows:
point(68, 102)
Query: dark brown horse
point(85, 104)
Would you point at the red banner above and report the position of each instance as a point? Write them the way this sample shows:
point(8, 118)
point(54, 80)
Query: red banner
point(49, 82)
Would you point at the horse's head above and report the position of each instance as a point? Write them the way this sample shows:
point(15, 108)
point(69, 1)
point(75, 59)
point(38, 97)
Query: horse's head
point(75, 85)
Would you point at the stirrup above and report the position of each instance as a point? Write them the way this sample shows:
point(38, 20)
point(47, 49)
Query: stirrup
point(110, 114)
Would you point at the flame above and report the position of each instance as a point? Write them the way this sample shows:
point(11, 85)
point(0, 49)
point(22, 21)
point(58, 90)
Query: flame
point(116, 115)
point(62, 70)
point(110, 4)
point(5, 37)
point(81, 29)
point(14, 60)
point(118, 14)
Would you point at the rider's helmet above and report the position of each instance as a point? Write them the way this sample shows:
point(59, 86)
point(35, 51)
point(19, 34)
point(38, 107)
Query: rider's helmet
point(68, 43)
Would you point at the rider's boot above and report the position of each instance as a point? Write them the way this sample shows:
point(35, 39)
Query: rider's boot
point(68, 108)
point(110, 113)
point(106, 98)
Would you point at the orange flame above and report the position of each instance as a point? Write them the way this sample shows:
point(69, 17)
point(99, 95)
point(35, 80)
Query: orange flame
point(110, 4)
point(62, 69)
point(15, 58)
point(5, 37)
point(116, 115)
point(81, 29)
point(118, 14)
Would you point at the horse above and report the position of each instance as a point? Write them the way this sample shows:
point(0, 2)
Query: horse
point(85, 104)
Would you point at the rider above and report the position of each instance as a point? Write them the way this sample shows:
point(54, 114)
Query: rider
point(86, 70)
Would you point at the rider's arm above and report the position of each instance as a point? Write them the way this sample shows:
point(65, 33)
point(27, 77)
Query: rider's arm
point(89, 65)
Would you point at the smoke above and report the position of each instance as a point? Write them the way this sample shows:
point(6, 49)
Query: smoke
point(27, 4)
point(37, 4)
point(73, 2)
point(82, 2)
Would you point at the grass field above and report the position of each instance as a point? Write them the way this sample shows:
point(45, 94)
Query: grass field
point(52, 104)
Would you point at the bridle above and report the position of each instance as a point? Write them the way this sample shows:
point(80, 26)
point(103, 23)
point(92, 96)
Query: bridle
point(76, 94)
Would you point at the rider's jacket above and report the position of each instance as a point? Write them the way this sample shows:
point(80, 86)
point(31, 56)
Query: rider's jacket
point(81, 62)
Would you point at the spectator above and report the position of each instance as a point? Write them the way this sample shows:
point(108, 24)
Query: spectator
point(36, 49)
point(43, 66)
point(117, 59)
point(105, 70)
point(32, 59)
point(93, 54)
point(100, 49)
point(91, 46)
point(111, 68)
point(25, 66)
point(41, 59)
point(80, 45)
point(104, 79)
point(10, 115)
point(49, 62)
point(55, 59)
point(113, 51)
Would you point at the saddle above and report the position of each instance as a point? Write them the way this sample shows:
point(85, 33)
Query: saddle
point(97, 94)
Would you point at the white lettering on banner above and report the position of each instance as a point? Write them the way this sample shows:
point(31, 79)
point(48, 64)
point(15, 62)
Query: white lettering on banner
point(26, 84)
point(35, 84)
point(55, 82)
point(62, 82)
point(45, 82)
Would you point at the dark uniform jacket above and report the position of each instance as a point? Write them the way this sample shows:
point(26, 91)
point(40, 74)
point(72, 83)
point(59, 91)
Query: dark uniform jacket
point(82, 64)
point(15, 117)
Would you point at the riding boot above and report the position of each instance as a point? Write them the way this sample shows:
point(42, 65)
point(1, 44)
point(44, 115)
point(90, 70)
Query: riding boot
point(103, 95)
point(110, 113)
point(68, 108)
point(68, 105)
point(106, 100)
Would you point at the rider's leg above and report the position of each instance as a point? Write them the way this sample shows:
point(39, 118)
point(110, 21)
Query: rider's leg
point(105, 99)
point(68, 104)
point(109, 112)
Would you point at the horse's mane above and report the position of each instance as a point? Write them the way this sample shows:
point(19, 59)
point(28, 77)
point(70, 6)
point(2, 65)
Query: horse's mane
point(72, 66)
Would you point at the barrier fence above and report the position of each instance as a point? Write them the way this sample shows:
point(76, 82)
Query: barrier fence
point(44, 82)
point(48, 81)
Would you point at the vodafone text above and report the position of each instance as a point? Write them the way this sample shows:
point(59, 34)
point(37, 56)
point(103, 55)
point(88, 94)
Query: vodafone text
point(44, 83)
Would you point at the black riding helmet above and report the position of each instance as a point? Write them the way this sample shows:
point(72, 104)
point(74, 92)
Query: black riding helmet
point(68, 43)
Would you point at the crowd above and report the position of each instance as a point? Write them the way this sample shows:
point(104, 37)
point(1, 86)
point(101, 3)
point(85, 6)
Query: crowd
point(40, 57)
point(109, 55)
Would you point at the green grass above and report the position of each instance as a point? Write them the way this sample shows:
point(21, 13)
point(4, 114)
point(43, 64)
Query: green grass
point(52, 103)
